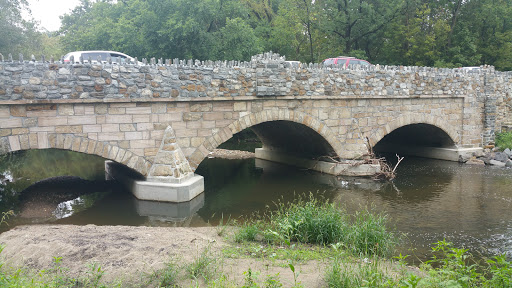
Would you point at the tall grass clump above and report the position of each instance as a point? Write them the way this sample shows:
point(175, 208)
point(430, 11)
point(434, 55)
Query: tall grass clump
point(369, 235)
point(504, 140)
point(366, 274)
point(247, 232)
point(310, 221)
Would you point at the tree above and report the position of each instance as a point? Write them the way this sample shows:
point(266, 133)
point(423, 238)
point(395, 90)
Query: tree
point(354, 22)
point(237, 41)
point(15, 33)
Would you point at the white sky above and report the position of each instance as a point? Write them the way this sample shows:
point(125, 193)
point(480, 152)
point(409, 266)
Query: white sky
point(47, 12)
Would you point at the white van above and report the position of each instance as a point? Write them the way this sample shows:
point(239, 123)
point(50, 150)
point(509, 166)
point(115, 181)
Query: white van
point(93, 56)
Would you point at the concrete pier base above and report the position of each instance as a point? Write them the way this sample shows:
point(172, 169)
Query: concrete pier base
point(348, 168)
point(449, 154)
point(155, 191)
point(165, 211)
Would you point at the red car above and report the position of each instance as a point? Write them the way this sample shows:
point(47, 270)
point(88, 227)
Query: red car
point(345, 61)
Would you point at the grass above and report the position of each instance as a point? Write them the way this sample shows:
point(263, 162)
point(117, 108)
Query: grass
point(311, 221)
point(165, 277)
point(203, 266)
point(504, 140)
point(53, 277)
point(307, 221)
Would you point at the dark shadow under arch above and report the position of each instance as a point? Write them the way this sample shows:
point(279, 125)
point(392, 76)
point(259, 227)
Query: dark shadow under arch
point(414, 135)
point(293, 138)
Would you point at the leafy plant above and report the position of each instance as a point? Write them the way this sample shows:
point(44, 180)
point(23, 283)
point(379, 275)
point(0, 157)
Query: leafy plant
point(249, 281)
point(504, 140)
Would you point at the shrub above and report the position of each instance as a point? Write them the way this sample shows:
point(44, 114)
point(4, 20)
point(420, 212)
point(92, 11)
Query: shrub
point(504, 140)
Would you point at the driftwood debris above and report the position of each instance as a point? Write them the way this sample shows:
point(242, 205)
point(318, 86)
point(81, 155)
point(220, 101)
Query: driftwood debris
point(387, 172)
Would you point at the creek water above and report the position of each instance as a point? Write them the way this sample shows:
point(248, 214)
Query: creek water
point(429, 201)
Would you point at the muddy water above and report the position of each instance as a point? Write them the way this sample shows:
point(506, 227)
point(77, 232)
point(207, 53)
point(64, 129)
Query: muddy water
point(429, 200)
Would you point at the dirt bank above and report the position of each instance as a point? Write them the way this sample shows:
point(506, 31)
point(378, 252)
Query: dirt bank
point(130, 254)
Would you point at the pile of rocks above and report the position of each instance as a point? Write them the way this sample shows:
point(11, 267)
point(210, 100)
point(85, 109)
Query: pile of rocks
point(492, 157)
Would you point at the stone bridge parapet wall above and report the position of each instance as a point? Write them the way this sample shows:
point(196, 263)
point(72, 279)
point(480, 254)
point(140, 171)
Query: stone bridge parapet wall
point(51, 81)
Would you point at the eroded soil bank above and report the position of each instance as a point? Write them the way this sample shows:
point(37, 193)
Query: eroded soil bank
point(131, 254)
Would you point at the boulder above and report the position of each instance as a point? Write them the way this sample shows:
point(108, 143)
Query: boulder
point(509, 163)
point(497, 163)
point(479, 153)
point(500, 156)
point(474, 161)
point(463, 158)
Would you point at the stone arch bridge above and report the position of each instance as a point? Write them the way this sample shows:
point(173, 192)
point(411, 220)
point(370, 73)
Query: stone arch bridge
point(162, 120)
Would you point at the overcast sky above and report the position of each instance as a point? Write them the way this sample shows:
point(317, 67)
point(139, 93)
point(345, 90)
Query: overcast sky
point(47, 12)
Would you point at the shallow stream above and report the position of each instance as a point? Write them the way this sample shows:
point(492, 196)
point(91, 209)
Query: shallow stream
point(429, 200)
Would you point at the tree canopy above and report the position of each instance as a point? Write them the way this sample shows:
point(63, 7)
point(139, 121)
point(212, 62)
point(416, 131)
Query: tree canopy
point(440, 33)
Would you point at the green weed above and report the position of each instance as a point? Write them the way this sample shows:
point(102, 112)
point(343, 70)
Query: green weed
point(247, 232)
point(367, 273)
point(308, 221)
point(203, 266)
point(316, 222)
point(504, 140)
point(368, 234)
point(167, 276)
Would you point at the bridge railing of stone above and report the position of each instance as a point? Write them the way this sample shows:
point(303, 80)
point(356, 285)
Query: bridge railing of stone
point(266, 76)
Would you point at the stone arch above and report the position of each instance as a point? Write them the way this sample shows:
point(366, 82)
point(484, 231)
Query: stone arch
point(249, 120)
point(71, 142)
point(408, 119)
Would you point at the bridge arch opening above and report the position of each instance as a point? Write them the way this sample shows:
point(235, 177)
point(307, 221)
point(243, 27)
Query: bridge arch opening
point(413, 138)
point(293, 138)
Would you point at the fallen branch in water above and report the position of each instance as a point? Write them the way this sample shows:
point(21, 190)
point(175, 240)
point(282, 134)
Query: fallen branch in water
point(386, 172)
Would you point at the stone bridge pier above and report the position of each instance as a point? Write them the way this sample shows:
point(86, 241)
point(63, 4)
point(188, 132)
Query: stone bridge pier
point(156, 123)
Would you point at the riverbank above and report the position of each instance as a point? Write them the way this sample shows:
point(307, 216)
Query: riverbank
point(131, 256)
point(490, 156)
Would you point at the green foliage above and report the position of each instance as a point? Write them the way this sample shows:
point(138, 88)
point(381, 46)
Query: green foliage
point(423, 33)
point(368, 234)
point(323, 223)
point(367, 273)
point(236, 41)
point(455, 267)
point(5, 217)
point(308, 221)
point(247, 232)
point(504, 140)
point(167, 276)
point(500, 271)
point(249, 280)
point(203, 266)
